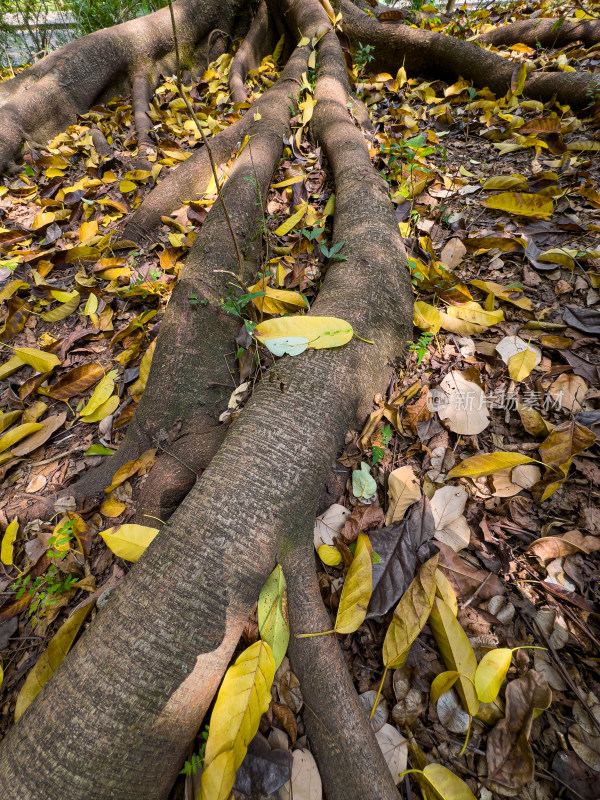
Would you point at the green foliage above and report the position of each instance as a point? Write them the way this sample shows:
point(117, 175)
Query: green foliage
point(193, 765)
point(364, 55)
point(94, 15)
point(420, 346)
point(383, 439)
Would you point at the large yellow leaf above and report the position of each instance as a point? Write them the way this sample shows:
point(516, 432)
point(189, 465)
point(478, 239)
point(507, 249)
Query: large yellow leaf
point(410, 615)
point(442, 784)
point(38, 359)
point(16, 434)
point(479, 466)
point(321, 332)
point(50, 660)
point(101, 394)
point(292, 221)
point(276, 301)
point(358, 588)
point(426, 317)
point(243, 698)
point(456, 651)
point(64, 309)
point(11, 366)
point(128, 541)
point(469, 318)
point(6, 420)
point(8, 541)
point(527, 205)
point(143, 464)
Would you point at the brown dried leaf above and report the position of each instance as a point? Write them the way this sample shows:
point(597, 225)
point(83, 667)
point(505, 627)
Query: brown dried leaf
point(464, 578)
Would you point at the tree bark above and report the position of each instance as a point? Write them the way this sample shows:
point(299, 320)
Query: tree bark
point(119, 714)
point(545, 33)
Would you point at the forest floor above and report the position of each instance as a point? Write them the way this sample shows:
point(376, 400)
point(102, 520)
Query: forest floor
point(498, 201)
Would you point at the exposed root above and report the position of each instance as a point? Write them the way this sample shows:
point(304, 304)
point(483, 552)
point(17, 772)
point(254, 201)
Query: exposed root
point(138, 700)
point(426, 52)
point(545, 33)
point(46, 98)
point(258, 43)
point(350, 761)
point(142, 91)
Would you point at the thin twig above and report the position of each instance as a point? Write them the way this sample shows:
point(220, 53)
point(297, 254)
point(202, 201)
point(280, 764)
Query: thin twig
point(192, 114)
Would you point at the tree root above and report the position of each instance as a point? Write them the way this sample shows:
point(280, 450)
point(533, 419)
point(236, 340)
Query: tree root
point(349, 758)
point(120, 712)
point(425, 52)
point(142, 91)
point(544, 33)
point(259, 42)
point(46, 98)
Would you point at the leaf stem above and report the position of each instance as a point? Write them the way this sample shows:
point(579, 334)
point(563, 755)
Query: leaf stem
point(378, 693)
point(308, 635)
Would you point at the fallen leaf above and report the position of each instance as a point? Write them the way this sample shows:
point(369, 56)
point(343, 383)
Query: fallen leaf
point(466, 579)
point(528, 205)
point(490, 673)
point(511, 762)
point(403, 490)
point(568, 391)
point(565, 441)
point(321, 332)
point(397, 547)
point(329, 524)
point(450, 711)
point(394, 749)
point(305, 783)
point(8, 542)
point(15, 435)
point(49, 661)
point(38, 359)
point(583, 319)
point(112, 508)
point(272, 615)
point(76, 381)
point(465, 410)
point(245, 695)
point(128, 541)
point(49, 426)
point(363, 485)
point(357, 590)
point(479, 466)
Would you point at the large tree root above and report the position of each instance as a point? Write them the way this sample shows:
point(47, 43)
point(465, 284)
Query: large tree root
point(259, 42)
point(545, 33)
point(191, 378)
point(46, 98)
point(118, 715)
point(426, 52)
point(350, 761)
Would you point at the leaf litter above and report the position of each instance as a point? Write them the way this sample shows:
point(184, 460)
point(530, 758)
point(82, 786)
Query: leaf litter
point(481, 457)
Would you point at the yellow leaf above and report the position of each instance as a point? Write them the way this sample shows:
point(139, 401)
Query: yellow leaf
point(103, 411)
point(499, 182)
point(403, 490)
point(410, 615)
point(63, 310)
point(101, 393)
point(358, 588)
point(243, 698)
point(128, 541)
point(6, 420)
point(38, 359)
point(469, 318)
point(91, 305)
point(444, 784)
point(43, 218)
point(144, 462)
point(426, 317)
point(479, 466)
point(329, 555)
point(112, 508)
point(16, 434)
point(442, 684)
point(8, 541)
point(138, 387)
point(527, 205)
point(443, 589)
point(292, 221)
point(307, 112)
point(456, 651)
point(288, 182)
point(520, 364)
point(276, 301)
point(491, 672)
point(10, 367)
point(127, 186)
point(50, 660)
point(321, 332)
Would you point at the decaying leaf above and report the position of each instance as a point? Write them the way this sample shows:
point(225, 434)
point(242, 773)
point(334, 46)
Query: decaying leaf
point(394, 749)
point(451, 527)
point(509, 756)
point(465, 410)
point(410, 615)
point(565, 441)
point(403, 490)
point(397, 547)
point(321, 332)
point(305, 783)
point(50, 660)
point(466, 579)
point(479, 466)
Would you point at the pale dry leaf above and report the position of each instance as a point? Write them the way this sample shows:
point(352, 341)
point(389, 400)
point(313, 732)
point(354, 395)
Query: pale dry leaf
point(568, 391)
point(306, 781)
point(403, 490)
point(394, 748)
point(455, 534)
point(508, 483)
point(451, 714)
point(465, 411)
point(329, 524)
point(447, 505)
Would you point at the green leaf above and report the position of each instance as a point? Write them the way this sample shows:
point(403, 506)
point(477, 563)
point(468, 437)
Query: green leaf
point(363, 485)
point(98, 450)
point(273, 622)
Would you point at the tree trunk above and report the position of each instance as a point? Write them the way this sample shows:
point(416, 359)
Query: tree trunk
point(118, 717)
